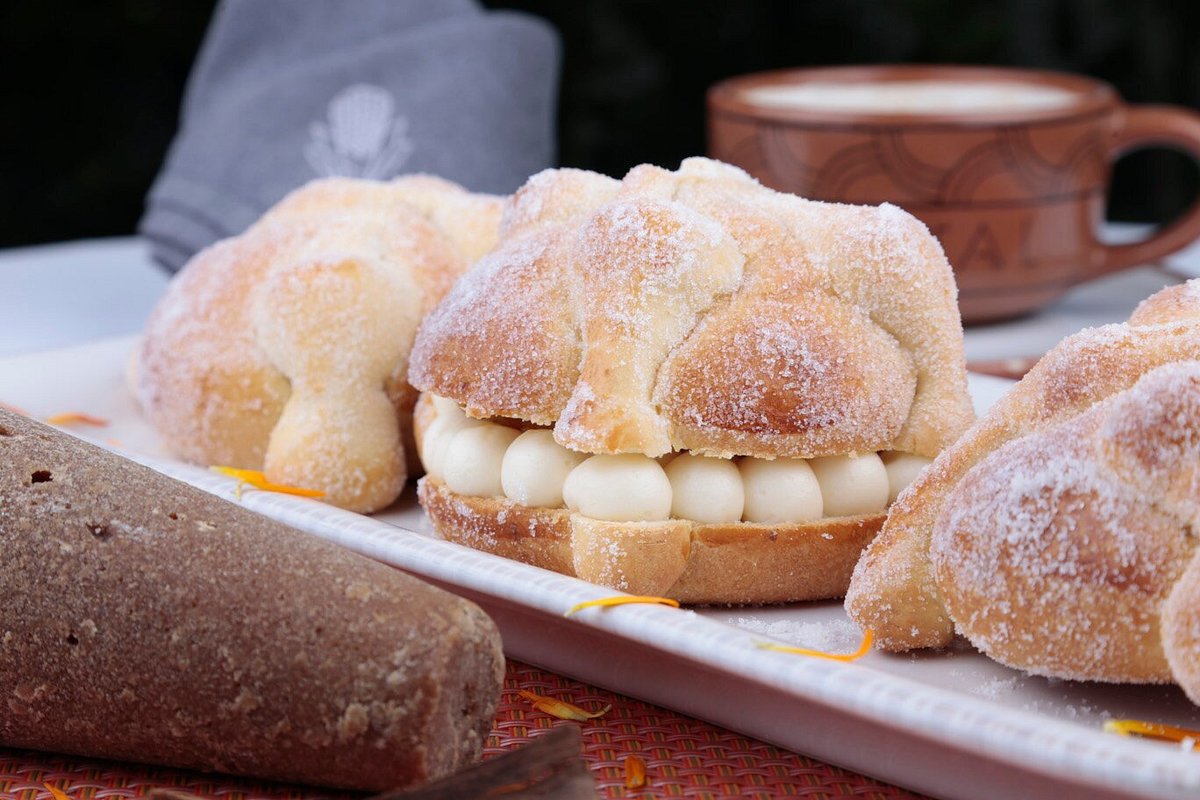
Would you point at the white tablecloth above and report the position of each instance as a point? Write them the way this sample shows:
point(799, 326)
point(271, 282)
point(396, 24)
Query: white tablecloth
point(57, 295)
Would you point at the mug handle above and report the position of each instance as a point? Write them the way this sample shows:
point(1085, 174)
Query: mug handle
point(1156, 126)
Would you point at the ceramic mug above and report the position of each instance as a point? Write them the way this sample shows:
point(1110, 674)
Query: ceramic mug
point(1009, 168)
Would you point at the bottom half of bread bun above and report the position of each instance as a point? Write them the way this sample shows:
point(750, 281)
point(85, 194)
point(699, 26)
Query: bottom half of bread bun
point(697, 563)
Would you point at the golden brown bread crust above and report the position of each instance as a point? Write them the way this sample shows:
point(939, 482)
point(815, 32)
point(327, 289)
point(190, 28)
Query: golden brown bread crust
point(146, 620)
point(602, 310)
point(286, 348)
point(1058, 534)
point(735, 346)
point(700, 564)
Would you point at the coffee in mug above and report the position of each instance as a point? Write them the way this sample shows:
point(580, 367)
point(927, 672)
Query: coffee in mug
point(1009, 168)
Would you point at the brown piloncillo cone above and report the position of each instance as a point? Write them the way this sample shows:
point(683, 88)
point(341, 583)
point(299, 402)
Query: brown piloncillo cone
point(143, 619)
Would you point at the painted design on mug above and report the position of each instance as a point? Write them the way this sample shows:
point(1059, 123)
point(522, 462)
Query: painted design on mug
point(1033, 193)
point(361, 137)
point(899, 166)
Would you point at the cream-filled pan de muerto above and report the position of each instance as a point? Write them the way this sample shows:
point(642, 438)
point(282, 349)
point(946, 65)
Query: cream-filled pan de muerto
point(285, 348)
point(1059, 534)
point(685, 384)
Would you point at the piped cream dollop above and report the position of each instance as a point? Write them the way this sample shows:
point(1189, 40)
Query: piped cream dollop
point(473, 459)
point(781, 490)
point(705, 489)
point(534, 469)
point(851, 485)
point(620, 488)
point(902, 470)
point(449, 421)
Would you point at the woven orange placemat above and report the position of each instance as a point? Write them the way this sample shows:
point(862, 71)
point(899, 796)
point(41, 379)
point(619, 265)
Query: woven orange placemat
point(684, 757)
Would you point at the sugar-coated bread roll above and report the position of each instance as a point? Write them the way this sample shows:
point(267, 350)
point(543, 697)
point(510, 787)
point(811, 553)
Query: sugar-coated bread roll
point(851, 484)
point(146, 620)
point(1058, 535)
point(535, 468)
point(705, 489)
point(693, 313)
point(619, 488)
point(285, 348)
point(473, 459)
point(782, 490)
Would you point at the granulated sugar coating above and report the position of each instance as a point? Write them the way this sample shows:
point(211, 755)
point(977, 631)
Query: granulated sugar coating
point(696, 310)
point(285, 348)
point(1050, 562)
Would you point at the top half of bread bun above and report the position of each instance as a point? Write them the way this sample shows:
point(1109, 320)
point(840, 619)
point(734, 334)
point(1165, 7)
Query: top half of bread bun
point(696, 309)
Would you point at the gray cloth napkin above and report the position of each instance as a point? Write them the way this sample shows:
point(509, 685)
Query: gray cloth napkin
point(284, 92)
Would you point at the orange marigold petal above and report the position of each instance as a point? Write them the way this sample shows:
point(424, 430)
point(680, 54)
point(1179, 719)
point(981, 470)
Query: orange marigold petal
point(561, 708)
point(258, 480)
point(76, 418)
point(635, 772)
point(864, 648)
point(58, 794)
point(620, 600)
point(1153, 730)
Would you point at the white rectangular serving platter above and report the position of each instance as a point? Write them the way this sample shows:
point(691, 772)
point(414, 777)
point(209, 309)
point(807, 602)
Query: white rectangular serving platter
point(951, 724)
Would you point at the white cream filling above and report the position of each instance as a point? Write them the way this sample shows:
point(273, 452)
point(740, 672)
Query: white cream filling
point(851, 485)
point(471, 465)
point(781, 490)
point(436, 439)
point(902, 470)
point(534, 469)
point(705, 489)
point(620, 488)
point(483, 459)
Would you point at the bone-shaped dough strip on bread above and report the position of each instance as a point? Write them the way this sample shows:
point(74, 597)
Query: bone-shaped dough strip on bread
point(647, 271)
point(802, 377)
point(893, 591)
point(875, 260)
point(338, 412)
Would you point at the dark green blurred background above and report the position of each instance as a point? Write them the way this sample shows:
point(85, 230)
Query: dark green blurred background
point(92, 89)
